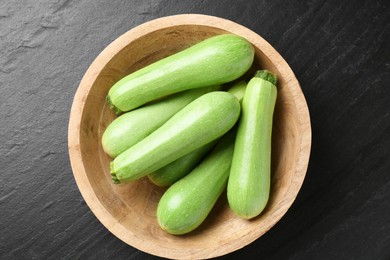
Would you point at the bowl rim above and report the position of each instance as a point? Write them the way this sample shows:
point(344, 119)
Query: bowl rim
point(76, 160)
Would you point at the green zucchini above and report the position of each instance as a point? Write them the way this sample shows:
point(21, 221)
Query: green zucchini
point(214, 61)
point(250, 176)
point(172, 172)
point(130, 128)
point(200, 122)
point(179, 168)
point(238, 89)
point(186, 204)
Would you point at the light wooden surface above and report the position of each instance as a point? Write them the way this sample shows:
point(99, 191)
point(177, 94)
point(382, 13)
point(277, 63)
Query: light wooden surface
point(129, 210)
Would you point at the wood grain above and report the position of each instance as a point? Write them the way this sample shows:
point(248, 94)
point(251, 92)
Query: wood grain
point(128, 210)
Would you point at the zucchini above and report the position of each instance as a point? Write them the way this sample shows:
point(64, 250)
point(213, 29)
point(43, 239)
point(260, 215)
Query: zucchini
point(179, 168)
point(238, 89)
point(186, 204)
point(249, 182)
point(214, 61)
point(130, 128)
point(172, 172)
point(200, 122)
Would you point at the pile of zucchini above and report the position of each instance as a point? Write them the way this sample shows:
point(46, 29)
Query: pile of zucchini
point(181, 129)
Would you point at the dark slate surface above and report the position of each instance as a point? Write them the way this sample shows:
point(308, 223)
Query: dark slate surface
point(340, 53)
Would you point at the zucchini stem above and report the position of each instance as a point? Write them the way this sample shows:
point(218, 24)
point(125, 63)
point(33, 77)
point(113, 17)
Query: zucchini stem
point(112, 106)
point(266, 75)
point(113, 175)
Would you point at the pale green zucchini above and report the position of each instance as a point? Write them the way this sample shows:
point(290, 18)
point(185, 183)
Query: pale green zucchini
point(186, 204)
point(131, 127)
point(214, 61)
point(249, 182)
point(179, 168)
point(200, 122)
point(172, 172)
point(238, 89)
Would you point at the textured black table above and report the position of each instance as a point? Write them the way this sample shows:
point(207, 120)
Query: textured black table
point(340, 52)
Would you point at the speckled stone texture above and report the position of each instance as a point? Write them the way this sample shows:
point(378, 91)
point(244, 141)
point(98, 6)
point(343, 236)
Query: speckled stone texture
point(340, 52)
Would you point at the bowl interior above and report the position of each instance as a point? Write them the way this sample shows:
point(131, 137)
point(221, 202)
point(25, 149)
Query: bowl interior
point(130, 209)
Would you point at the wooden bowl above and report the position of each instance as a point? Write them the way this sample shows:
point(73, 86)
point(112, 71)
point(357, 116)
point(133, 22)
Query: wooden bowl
point(129, 210)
